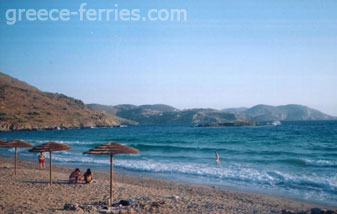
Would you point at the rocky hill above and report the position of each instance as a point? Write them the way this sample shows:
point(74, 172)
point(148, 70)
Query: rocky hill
point(24, 107)
point(234, 110)
point(164, 114)
point(290, 112)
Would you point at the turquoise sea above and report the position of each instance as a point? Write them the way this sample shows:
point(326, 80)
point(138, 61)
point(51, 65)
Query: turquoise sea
point(296, 160)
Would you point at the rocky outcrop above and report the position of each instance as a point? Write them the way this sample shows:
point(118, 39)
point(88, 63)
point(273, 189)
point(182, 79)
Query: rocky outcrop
point(235, 123)
point(291, 112)
point(311, 211)
point(163, 114)
point(24, 107)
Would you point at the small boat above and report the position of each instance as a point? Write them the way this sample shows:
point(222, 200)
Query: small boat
point(276, 123)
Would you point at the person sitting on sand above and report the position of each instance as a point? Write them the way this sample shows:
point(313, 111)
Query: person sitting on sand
point(76, 176)
point(88, 175)
point(42, 160)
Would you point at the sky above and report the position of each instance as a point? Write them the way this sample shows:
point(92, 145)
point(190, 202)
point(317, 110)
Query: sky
point(228, 53)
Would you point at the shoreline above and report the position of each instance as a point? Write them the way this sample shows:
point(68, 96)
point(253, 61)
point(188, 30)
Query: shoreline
point(29, 193)
point(175, 178)
point(179, 179)
point(58, 128)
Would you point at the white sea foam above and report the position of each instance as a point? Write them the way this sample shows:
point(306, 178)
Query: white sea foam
point(231, 172)
point(76, 142)
point(80, 159)
point(321, 162)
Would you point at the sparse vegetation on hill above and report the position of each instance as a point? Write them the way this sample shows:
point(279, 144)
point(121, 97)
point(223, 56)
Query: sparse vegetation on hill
point(289, 112)
point(24, 107)
point(164, 114)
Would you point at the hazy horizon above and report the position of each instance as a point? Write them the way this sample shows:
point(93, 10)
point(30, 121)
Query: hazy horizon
point(227, 54)
point(229, 107)
point(209, 107)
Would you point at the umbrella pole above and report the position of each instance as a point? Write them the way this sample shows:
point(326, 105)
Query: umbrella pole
point(50, 165)
point(111, 178)
point(15, 159)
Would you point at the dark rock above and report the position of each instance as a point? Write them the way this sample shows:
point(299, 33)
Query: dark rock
point(99, 203)
point(316, 211)
point(288, 212)
point(74, 207)
point(88, 208)
point(115, 204)
point(157, 204)
point(124, 202)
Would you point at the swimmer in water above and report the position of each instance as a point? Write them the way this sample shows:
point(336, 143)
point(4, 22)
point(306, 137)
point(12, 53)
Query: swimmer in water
point(217, 157)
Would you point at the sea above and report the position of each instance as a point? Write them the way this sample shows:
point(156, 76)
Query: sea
point(296, 160)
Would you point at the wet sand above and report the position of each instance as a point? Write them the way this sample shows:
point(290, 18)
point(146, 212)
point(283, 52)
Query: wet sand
point(29, 192)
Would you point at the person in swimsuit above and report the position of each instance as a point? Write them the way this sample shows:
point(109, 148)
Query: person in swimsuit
point(42, 161)
point(217, 157)
point(76, 176)
point(88, 176)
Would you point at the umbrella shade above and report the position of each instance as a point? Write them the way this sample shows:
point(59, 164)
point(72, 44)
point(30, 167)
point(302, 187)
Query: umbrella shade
point(111, 149)
point(15, 143)
point(50, 147)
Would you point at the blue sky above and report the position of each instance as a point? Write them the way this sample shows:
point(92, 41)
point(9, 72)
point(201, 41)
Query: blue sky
point(229, 53)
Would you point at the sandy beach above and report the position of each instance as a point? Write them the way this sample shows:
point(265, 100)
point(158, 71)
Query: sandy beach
point(29, 192)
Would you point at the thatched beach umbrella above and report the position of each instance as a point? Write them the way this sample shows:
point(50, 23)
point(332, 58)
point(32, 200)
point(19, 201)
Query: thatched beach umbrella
point(15, 144)
point(111, 149)
point(50, 147)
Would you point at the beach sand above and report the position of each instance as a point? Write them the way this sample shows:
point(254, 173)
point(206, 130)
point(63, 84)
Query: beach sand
point(29, 192)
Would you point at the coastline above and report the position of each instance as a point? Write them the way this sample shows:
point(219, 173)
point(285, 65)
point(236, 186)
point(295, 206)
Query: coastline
point(29, 193)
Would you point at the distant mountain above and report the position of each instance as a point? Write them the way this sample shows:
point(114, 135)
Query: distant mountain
point(24, 107)
point(143, 113)
point(164, 114)
point(289, 112)
point(103, 108)
point(234, 110)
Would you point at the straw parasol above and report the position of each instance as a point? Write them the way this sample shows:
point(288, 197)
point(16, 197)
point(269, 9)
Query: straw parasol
point(15, 143)
point(50, 147)
point(111, 149)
